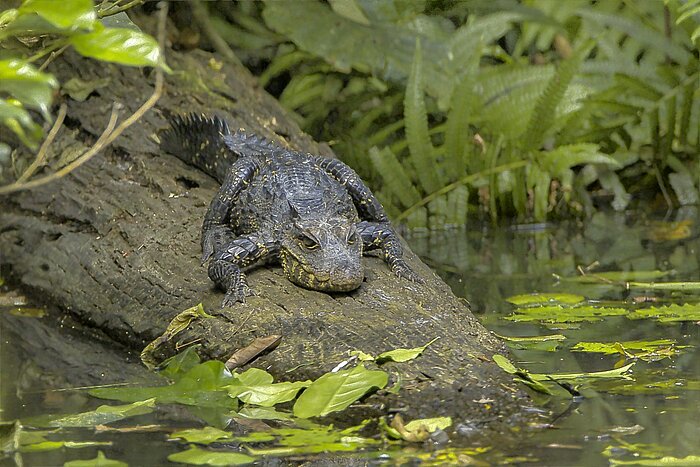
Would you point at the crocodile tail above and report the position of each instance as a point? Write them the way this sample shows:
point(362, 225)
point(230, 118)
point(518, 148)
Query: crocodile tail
point(199, 141)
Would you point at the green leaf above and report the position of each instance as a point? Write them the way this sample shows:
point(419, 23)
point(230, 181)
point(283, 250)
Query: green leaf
point(403, 355)
point(53, 445)
point(205, 435)
point(254, 377)
point(17, 119)
point(178, 365)
point(267, 395)
point(545, 299)
point(199, 456)
point(27, 84)
point(669, 314)
point(263, 413)
point(65, 14)
point(336, 391)
point(102, 415)
point(119, 45)
point(543, 343)
point(99, 461)
point(687, 461)
point(429, 424)
point(565, 314)
point(204, 386)
point(417, 135)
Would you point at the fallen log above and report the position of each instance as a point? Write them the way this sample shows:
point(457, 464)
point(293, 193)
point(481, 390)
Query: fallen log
point(116, 244)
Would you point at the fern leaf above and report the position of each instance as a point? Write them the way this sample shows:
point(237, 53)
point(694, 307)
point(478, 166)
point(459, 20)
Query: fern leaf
point(644, 34)
point(642, 89)
point(559, 160)
point(543, 117)
point(462, 106)
point(457, 206)
point(395, 178)
point(686, 110)
point(417, 135)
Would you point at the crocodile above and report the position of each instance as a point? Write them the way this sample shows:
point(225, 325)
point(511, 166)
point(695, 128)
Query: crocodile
point(312, 214)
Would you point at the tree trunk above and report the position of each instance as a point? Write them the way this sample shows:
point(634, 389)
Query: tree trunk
point(116, 243)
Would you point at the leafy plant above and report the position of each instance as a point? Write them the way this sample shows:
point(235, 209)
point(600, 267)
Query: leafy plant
point(530, 109)
point(91, 31)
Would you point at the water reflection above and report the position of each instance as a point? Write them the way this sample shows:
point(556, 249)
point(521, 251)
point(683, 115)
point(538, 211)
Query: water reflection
point(488, 265)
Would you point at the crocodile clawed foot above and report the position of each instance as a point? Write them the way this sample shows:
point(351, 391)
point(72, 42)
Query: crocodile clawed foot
point(237, 295)
point(402, 269)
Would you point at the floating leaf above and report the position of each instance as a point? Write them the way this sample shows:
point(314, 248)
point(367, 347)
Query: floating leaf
point(649, 351)
point(180, 364)
point(402, 355)
point(417, 430)
point(336, 391)
point(565, 314)
point(199, 456)
point(548, 343)
point(205, 435)
point(263, 413)
point(99, 461)
point(669, 314)
point(666, 285)
point(102, 415)
point(267, 395)
point(28, 312)
point(203, 386)
point(53, 445)
point(545, 299)
point(66, 14)
point(120, 45)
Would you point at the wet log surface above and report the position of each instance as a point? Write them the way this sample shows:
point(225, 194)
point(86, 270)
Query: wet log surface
point(116, 245)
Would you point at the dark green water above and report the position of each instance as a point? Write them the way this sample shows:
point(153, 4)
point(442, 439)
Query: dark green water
point(654, 413)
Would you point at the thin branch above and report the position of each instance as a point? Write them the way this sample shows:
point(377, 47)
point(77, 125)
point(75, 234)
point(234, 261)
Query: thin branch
point(109, 134)
point(41, 155)
point(114, 9)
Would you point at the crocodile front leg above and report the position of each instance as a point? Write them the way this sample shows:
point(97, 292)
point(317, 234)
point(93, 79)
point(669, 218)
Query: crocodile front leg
point(216, 232)
point(381, 235)
point(225, 266)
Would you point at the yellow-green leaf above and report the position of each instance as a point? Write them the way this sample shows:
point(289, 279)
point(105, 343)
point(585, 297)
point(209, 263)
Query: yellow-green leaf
point(118, 45)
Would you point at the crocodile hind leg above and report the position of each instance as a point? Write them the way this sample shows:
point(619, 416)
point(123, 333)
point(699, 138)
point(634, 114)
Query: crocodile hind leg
point(225, 266)
point(381, 235)
point(368, 206)
point(216, 232)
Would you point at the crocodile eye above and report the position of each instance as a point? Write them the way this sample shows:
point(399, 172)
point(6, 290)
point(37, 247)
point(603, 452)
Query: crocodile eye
point(308, 242)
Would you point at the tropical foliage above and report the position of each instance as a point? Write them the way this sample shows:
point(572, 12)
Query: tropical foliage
point(34, 34)
point(533, 108)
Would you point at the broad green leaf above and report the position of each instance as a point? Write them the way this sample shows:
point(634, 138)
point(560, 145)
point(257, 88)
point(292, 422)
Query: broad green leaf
point(199, 456)
point(508, 367)
point(17, 119)
point(205, 435)
point(203, 386)
point(669, 314)
point(254, 377)
point(102, 415)
point(403, 355)
point(267, 395)
point(565, 314)
point(99, 461)
point(180, 364)
point(361, 356)
point(27, 84)
point(118, 45)
point(545, 299)
point(336, 391)
point(65, 14)
point(612, 348)
point(505, 364)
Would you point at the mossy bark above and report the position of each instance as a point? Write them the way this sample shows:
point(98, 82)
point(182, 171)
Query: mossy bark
point(116, 243)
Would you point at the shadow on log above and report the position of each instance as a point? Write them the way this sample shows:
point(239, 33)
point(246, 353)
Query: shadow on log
point(116, 243)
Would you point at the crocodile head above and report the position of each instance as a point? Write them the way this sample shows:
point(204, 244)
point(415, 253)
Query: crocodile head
point(323, 254)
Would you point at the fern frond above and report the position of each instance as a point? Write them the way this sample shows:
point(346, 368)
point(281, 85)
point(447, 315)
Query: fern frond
point(544, 115)
point(395, 178)
point(416, 117)
point(457, 206)
point(651, 38)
